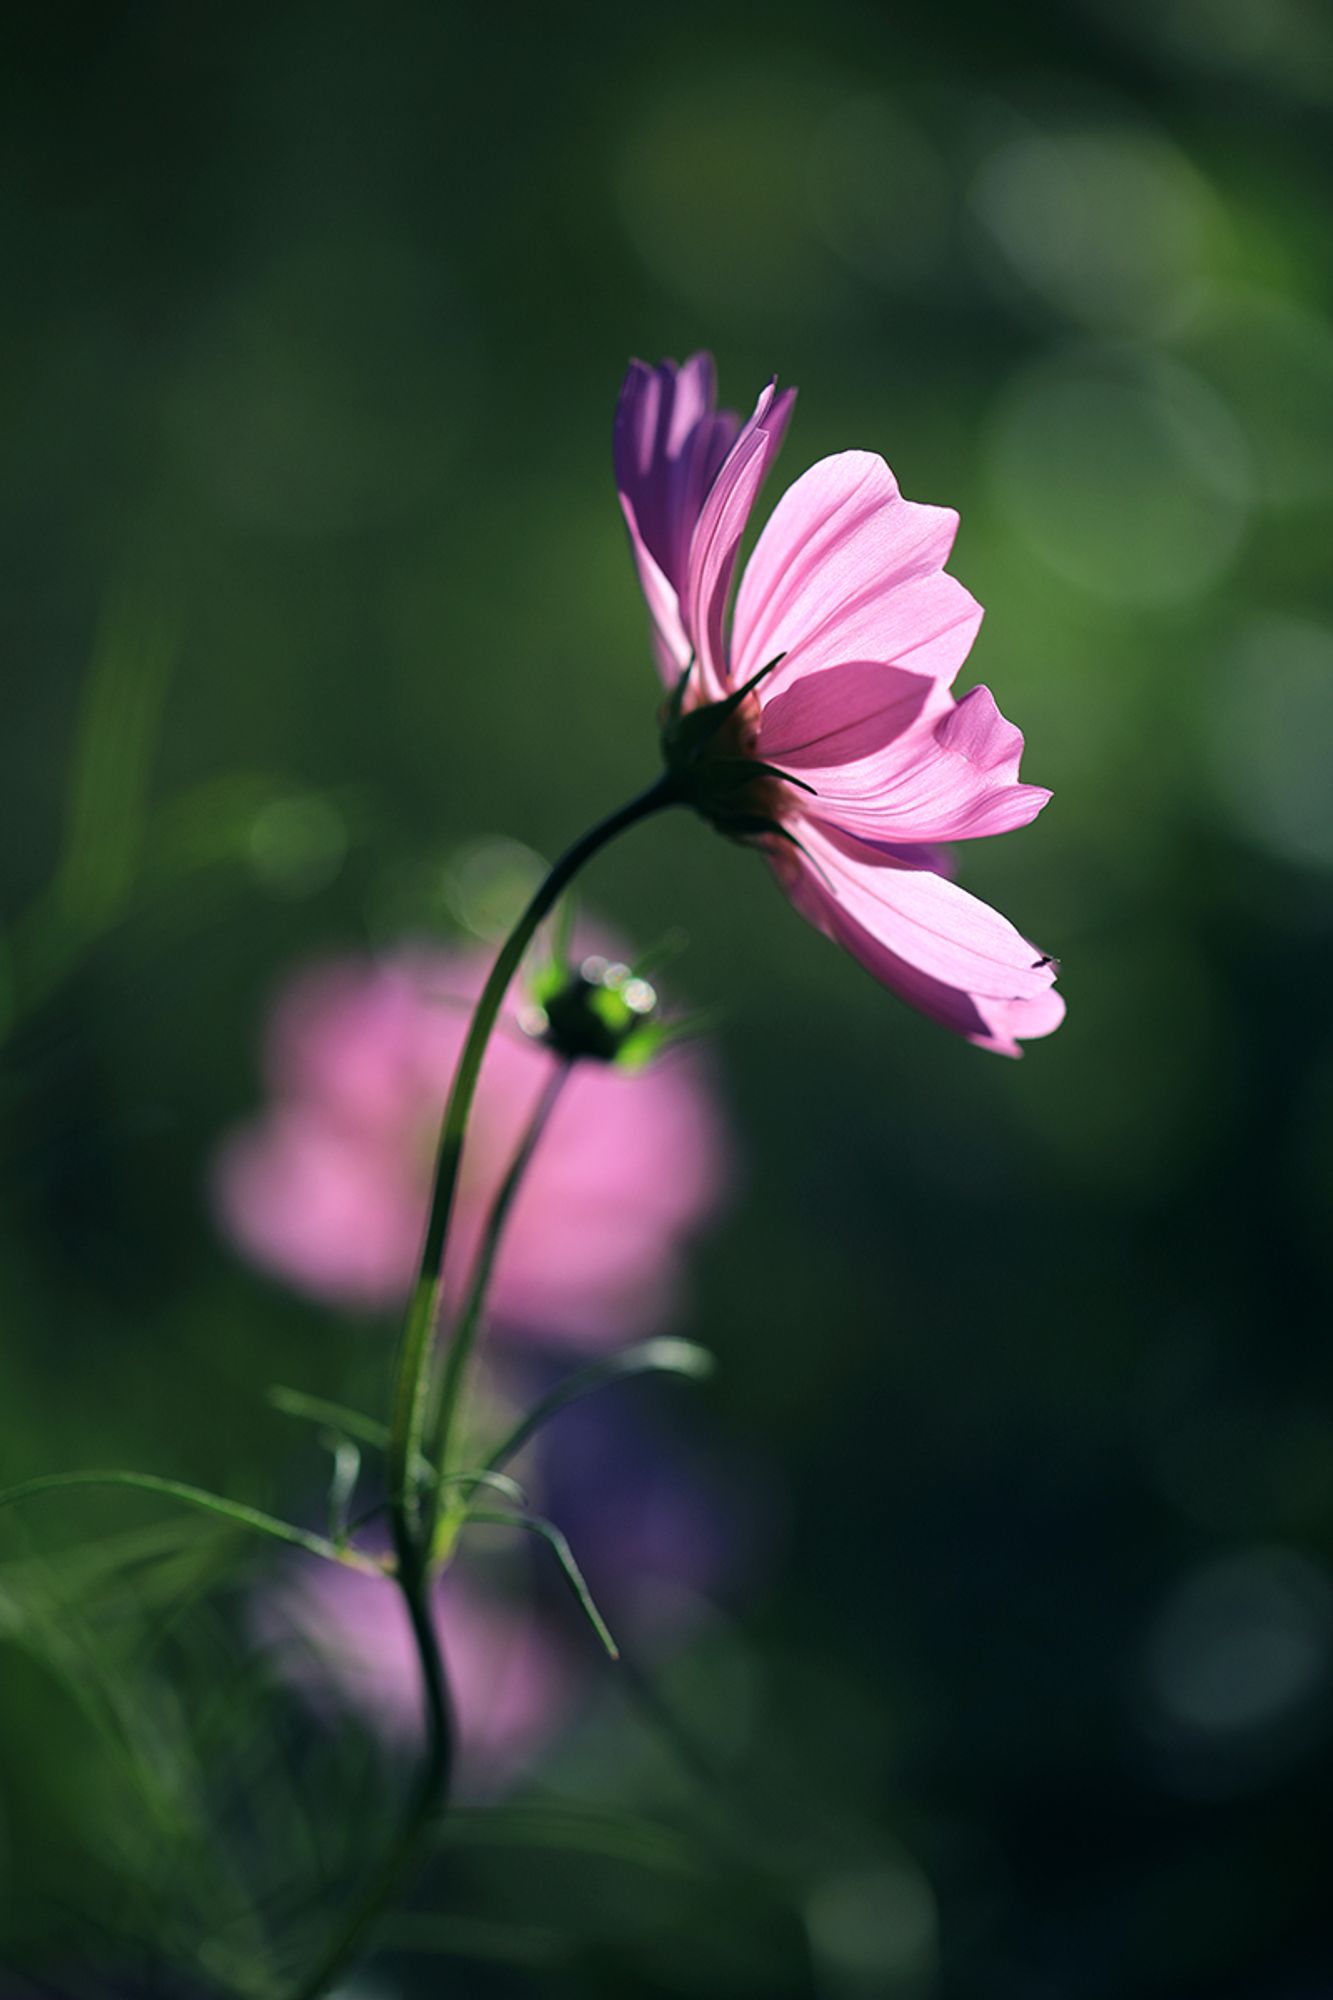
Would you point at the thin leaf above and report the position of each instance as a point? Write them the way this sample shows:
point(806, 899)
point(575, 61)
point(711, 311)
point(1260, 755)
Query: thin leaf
point(234, 1511)
point(475, 1937)
point(655, 956)
point(342, 1488)
point(536, 1524)
point(664, 1356)
point(568, 1830)
point(336, 1416)
point(340, 1421)
point(120, 716)
point(494, 1482)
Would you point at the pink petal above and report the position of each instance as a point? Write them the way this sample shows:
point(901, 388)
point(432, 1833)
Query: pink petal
point(945, 952)
point(342, 1632)
point(836, 717)
point(335, 1211)
point(328, 1188)
point(631, 1165)
point(717, 537)
point(953, 777)
point(846, 572)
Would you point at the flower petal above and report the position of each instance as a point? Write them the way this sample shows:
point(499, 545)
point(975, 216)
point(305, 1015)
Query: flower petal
point(671, 648)
point(840, 716)
point(848, 571)
point(954, 776)
point(669, 442)
point(717, 537)
point(944, 951)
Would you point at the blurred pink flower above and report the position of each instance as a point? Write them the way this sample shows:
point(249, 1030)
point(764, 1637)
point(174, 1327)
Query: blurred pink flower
point(847, 584)
point(328, 1187)
point(340, 1631)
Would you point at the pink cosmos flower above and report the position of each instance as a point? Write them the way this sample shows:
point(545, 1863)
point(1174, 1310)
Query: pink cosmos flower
point(328, 1187)
point(849, 760)
point(340, 1631)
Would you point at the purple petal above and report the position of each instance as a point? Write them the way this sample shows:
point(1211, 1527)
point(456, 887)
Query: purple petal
point(669, 443)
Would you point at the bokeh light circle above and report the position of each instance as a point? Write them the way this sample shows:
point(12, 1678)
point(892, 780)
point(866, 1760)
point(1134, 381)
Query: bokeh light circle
point(1124, 472)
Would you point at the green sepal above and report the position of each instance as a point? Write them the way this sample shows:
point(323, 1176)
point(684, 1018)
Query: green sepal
point(755, 826)
point(675, 701)
point(697, 729)
point(683, 736)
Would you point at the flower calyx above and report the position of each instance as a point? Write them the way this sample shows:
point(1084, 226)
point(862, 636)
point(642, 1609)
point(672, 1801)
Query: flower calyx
point(708, 751)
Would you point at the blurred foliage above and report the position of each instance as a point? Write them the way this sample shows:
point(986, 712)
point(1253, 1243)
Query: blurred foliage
point(312, 325)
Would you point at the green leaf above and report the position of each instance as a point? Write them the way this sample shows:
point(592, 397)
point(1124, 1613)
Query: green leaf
point(568, 1830)
point(340, 1421)
point(675, 701)
point(536, 1524)
point(335, 1416)
point(494, 1482)
point(665, 1356)
point(342, 1488)
point(120, 717)
point(233, 1511)
point(669, 947)
point(474, 1937)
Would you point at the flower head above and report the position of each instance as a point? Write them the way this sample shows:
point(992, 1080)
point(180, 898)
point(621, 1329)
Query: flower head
point(328, 1187)
point(820, 725)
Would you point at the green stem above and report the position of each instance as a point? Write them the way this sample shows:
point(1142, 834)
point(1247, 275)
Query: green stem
point(428, 1793)
point(413, 1370)
point(412, 1537)
point(464, 1337)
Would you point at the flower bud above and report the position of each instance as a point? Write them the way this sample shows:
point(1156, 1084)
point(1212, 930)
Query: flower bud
point(599, 1011)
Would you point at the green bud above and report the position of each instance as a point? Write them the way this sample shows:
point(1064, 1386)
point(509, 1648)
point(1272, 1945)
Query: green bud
point(599, 1011)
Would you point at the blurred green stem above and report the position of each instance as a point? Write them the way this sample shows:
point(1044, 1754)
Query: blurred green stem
point(464, 1336)
point(432, 1780)
point(413, 1536)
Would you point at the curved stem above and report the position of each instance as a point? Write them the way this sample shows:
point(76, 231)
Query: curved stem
point(428, 1793)
point(412, 1537)
point(414, 1352)
point(465, 1333)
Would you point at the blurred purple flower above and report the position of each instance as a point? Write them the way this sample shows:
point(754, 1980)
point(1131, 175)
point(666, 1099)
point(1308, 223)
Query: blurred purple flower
point(662, 1529)
point(328, 1187)
point(338, 1632)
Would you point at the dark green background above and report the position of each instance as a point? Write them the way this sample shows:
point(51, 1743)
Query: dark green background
point(311, 326)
